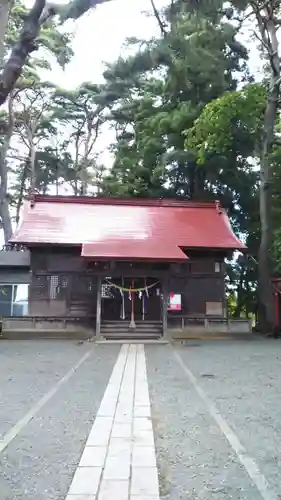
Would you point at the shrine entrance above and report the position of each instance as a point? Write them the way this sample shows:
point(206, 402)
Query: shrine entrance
point(137, 299)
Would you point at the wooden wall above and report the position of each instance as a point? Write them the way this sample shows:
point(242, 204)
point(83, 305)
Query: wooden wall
point(202, 286)
point(63, 283)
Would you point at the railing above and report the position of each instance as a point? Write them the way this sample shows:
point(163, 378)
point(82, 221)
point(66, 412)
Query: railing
point(14, 255)
point(209, 324)
point(45, 323)
point(13, 247)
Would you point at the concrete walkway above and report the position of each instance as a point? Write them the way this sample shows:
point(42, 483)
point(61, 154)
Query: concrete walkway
point(119, 457)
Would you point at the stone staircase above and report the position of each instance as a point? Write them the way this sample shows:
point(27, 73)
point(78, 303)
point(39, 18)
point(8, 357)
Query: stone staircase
point(120, 330)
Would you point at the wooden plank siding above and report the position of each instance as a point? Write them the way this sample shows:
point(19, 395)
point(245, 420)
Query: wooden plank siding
point(63, 283)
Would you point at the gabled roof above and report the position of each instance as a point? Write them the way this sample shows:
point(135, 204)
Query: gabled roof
point(126, 228)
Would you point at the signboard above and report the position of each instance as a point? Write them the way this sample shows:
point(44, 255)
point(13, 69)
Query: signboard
point(174, 303)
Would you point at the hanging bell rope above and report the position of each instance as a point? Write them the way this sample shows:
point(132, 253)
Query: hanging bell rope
point(123, 289)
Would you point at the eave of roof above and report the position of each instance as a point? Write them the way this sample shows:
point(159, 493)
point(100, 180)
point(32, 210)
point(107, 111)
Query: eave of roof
point(134, 250)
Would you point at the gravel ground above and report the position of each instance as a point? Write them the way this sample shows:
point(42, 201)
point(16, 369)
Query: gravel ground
point(194, 458)
point(40, 462)
point(245, 386)
point(29, 369)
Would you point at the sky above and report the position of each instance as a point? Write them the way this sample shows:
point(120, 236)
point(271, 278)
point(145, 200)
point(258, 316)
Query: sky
point(99, 36)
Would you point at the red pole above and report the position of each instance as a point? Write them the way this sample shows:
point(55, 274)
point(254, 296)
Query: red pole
point(276, 309)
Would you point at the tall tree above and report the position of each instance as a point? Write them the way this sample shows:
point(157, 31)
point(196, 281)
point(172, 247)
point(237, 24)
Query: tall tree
point(159, 92)
point(80, 112)
point(57, 44)
point(33, 128)
point(266, 19)
point(28, 38)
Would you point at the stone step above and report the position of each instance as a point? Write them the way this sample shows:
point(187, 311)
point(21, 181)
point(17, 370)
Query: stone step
point(132, 335)
point(121, 330)
point(126, 324)
point(127, 327)
point(131, 331)
point(138, 321)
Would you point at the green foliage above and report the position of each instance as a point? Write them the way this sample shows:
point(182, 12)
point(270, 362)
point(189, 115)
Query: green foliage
point(158, 94)
point(52, 40)
point(235, 116)
point(81, 113)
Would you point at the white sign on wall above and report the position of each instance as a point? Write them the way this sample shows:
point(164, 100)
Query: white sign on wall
point(174, 302)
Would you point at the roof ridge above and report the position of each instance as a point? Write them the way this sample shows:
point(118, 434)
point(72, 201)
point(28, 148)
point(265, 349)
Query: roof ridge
point(126, 201)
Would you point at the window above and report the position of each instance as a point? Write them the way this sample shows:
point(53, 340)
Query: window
point(40, 287)
point(106, 291)
point(14, 300)
point(6, 292)
point(57, 287)
point(20, 300)
point(54, 287)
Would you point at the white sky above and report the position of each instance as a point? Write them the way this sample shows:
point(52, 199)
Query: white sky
point(99, 36)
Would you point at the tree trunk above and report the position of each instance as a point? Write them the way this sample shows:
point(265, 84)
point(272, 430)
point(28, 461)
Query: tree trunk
point(268, 25)
point(240, 302)
point(22, 189)
point(5, 6)
point(32, 164)
point(5, 214)
point(266, 299)
point(83, 167)
point(4, 201)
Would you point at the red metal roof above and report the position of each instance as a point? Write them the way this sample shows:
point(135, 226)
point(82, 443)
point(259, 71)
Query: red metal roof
point(133, 248)
point(125, 228)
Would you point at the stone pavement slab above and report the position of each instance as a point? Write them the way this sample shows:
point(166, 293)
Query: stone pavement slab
point(128, 467)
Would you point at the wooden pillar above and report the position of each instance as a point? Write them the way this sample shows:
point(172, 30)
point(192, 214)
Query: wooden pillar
point(165, 291)
point(132, 322)
point(98, 312)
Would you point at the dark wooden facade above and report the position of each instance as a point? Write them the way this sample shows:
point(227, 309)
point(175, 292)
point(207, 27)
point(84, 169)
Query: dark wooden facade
point(65, 284)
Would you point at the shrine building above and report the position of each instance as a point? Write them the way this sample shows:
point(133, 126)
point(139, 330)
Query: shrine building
point(119, 267)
